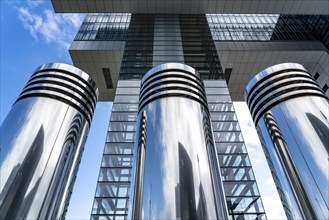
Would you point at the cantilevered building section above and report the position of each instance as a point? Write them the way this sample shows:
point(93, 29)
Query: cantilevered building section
point(225, 41)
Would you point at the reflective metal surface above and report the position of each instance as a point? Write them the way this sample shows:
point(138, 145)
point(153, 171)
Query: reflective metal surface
point(42, 140)
point(291, 114)
point(175, 172)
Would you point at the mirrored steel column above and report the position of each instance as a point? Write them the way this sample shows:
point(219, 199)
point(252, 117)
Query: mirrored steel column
point(42, 140)
point(291, 114)
point(176, 172)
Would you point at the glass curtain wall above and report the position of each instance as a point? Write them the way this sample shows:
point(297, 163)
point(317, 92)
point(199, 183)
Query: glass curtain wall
point(269, 27)
point(241, 190)
point(112, 192)
point(156, 39)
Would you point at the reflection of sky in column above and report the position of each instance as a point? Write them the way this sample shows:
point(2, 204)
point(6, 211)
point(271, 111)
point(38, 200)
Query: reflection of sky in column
point(29, 125)
point(182, 122)
point(310, 144)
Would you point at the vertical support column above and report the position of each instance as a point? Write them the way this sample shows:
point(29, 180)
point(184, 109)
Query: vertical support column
point(42, 140)
point(291, 114)
point(180, 171)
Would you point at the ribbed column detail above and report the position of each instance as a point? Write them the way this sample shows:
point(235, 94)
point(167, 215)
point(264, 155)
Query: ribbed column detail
point(277, 84)
point(64, 83)
point(172, 80)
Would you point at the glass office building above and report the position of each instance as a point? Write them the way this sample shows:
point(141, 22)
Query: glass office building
point(227, 42)
point(152, 40)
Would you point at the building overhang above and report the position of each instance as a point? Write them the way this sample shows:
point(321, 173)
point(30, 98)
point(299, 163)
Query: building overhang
point(193, 6)
point(100, 59)
point(246, 59)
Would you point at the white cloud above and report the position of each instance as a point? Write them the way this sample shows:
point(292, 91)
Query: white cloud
point(49, 27)
point(274, 207)
point(34, 3)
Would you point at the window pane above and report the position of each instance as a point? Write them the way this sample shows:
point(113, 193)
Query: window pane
point(214, 83)
point(221, 107)
point(245, 205)
point(217, 91)
point(119, 148)
point(120, 137)
point(231, 148)
point(233, 160)
point(239, 173)
point(120, 160)
point(129, 83)
point(228, 136)
point(122, 126)
point(126, 99)
point(245, 188)
point(110, 206)
point(225, 126)
point(112, 189)
point(122, 116)
point(223, 116)
point(127, 91)
point(219, 98)
point(115, 174)
point(124, 107)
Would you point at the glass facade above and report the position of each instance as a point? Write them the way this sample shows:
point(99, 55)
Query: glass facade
point(157, 39)
point(241, 191)
point(223, 27)
point(113, 186)
point(269, 27)
point(104, 27)
point(152, 40)
point(242, 27)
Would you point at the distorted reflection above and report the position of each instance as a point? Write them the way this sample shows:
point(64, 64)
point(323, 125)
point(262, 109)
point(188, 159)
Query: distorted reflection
point(16, 197)
point(177, 167)
point(321, 129)
point(184, 191)
point(309, 137)
point(282, 150)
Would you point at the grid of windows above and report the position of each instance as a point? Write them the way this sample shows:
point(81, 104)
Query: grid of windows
point(158, 39)
point(292, 28)
point(241, 191)
point(242, 27)
point(319, 25)
point(104, 27)
point(112, 192)
point(223, 27)
point(269, 27)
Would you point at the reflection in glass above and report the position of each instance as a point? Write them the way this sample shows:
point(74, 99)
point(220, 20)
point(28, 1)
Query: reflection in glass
point(42, 140)
point(293, 129)
point(175, 172)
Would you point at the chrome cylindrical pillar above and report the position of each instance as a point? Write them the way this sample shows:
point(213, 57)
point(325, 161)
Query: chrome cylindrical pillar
point(176, 173)
point(291, 114)
point(42, 139)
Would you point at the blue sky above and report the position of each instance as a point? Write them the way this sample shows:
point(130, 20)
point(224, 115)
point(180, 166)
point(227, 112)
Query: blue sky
point(31, 35)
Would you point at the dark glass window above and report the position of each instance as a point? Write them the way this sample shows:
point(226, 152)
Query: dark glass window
point(316, 75)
